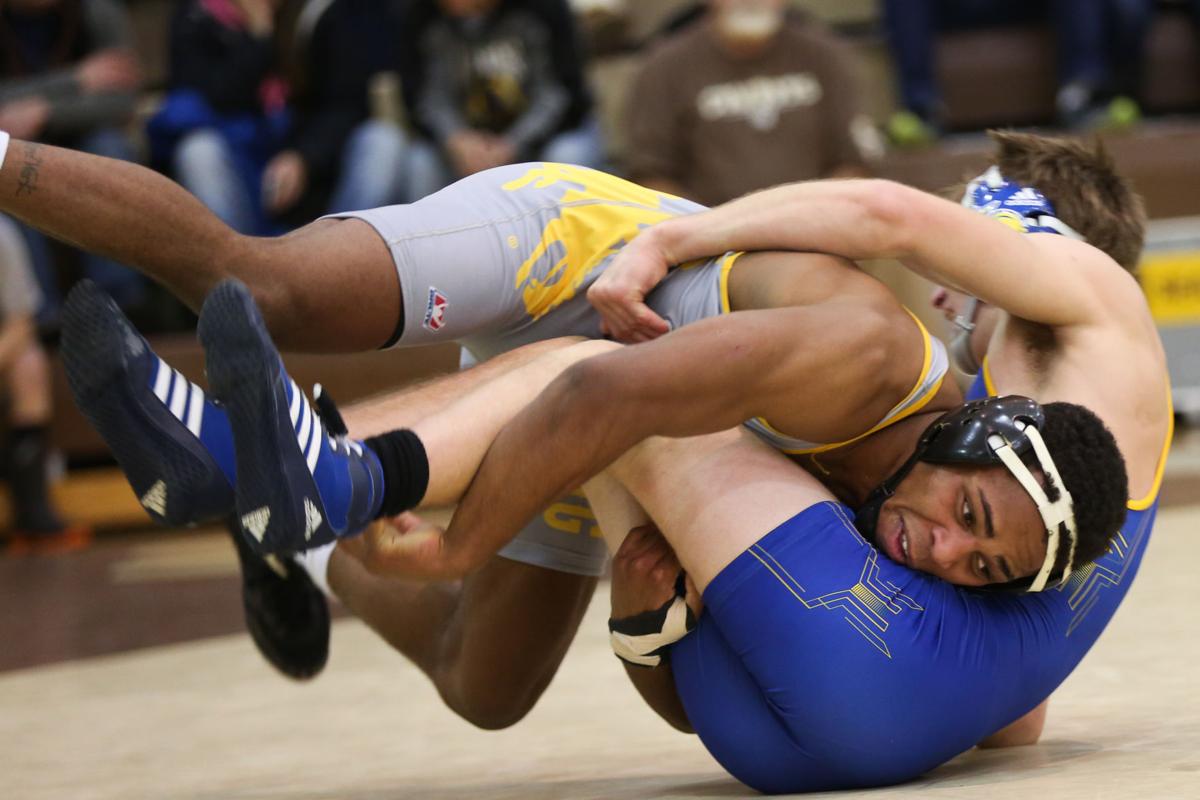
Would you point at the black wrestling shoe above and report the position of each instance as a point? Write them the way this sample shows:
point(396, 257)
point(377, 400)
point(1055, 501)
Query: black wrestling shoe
point(286, 614)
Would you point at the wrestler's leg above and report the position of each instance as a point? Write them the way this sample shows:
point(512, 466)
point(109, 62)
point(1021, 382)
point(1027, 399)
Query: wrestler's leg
point(674, 480)
point(328, 286)
point(460, 433)
point(491, 643)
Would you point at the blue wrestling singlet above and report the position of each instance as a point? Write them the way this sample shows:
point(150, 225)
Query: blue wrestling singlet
point(821, 664)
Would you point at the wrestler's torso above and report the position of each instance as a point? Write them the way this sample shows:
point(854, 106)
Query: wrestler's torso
point(1118, 373)
point(909, 389)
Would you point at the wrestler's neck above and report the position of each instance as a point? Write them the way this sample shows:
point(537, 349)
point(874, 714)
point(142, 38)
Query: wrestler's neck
point(852, 472)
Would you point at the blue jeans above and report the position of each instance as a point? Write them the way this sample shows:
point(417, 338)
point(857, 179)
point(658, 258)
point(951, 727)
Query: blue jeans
point(206, 165)
point(127, 287)
point(912, 27)
point(427, 169)
point(372, 173)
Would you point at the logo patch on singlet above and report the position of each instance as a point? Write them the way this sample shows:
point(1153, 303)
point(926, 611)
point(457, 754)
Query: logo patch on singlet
point(435, 310)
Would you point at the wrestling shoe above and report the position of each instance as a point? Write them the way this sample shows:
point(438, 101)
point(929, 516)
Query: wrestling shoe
point(173, 443)
point(297, 487)
point(286, 614)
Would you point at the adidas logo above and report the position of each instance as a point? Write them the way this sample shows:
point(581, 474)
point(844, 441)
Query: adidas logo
point(1025, 197)
point(156, 499)
point(312, 519)
point(255, 523)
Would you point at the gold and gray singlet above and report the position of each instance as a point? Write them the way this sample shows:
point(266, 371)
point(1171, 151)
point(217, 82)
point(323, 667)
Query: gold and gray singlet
point(504, 257)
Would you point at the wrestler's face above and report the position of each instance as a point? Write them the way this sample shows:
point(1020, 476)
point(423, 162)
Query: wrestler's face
point(971, 526)
point(968, 348)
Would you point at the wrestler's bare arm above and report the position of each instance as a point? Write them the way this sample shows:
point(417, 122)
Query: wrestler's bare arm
point(706, 377)
point(1027, 275)
point(328, 286)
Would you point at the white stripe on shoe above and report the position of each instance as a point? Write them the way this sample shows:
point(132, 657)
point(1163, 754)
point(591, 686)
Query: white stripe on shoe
point(314, 446)
point(294, 405)
point(195, 410)
point(185, 397)
point(306, 420)
point(162, 381)
point(310, 430)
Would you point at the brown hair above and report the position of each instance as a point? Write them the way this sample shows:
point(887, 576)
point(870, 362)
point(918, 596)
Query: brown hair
point(1082, 182)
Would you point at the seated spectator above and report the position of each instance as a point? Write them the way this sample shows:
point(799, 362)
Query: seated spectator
point(25, 384)
point(337, 158)
point(492, 82)
point(68, 77)
point(746, 97)
point(1131, 21)
point(225, 116)
point(913, 27)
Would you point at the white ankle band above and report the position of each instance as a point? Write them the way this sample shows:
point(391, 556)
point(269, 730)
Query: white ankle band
point(316, 563)
point(3, 146)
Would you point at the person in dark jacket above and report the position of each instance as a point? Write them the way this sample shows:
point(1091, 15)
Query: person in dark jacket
point(339, 155)
point(493, 82)
point(225, 115)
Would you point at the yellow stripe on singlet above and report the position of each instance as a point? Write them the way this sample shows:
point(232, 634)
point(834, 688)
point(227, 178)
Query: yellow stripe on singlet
point(918, 397)
point(726, 266)
point(1142, 503)
point(1152, 495)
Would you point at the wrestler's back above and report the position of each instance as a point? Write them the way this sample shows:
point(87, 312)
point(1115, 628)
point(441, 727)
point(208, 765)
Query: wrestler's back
point(1116, 368)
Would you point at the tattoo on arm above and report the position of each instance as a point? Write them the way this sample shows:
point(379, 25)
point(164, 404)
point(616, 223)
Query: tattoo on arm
point(28, 181)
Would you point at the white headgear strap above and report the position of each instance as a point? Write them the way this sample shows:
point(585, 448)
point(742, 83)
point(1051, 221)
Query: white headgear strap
point(1057, 514)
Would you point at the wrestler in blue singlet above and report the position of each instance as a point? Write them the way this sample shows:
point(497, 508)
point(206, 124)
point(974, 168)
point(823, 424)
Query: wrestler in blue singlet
point(821, 664)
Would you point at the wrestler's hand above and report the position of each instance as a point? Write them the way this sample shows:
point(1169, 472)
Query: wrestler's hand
point(645, 571)
point(405, 546)
point(619, 294)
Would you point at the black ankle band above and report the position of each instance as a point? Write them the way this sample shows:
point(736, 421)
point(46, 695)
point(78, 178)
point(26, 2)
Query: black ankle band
point(405, 470)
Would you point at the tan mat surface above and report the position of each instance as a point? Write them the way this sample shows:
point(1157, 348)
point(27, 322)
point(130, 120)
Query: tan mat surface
point(210, 720)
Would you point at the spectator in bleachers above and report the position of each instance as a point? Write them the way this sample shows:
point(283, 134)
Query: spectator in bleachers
point(1131, 20)
point(747, 97)
point(68, 77)
point(493, 82)
point(225, 115)
point(337, 157)
point(25, 386)
point(913, 27)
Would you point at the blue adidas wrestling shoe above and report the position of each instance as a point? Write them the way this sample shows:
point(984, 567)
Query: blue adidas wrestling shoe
point(297, 487)
point(173, 443)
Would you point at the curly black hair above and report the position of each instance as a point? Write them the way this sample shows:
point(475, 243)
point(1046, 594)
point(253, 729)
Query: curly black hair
point(1093, 473)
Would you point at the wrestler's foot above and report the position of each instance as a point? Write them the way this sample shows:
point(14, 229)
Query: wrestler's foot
point(286, 614)
point(173, 443)
point(297, 486)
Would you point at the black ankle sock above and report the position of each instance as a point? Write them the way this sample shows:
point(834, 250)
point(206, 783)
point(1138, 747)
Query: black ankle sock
point(405, 470)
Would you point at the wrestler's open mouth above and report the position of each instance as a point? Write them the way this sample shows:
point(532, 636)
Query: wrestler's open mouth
point(897, 543)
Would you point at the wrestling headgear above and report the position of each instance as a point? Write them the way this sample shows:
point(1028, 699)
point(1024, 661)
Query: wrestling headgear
point(1022, 208)
point(998, 430)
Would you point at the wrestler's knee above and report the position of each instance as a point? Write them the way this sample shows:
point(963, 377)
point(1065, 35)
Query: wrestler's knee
point(494, 701)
